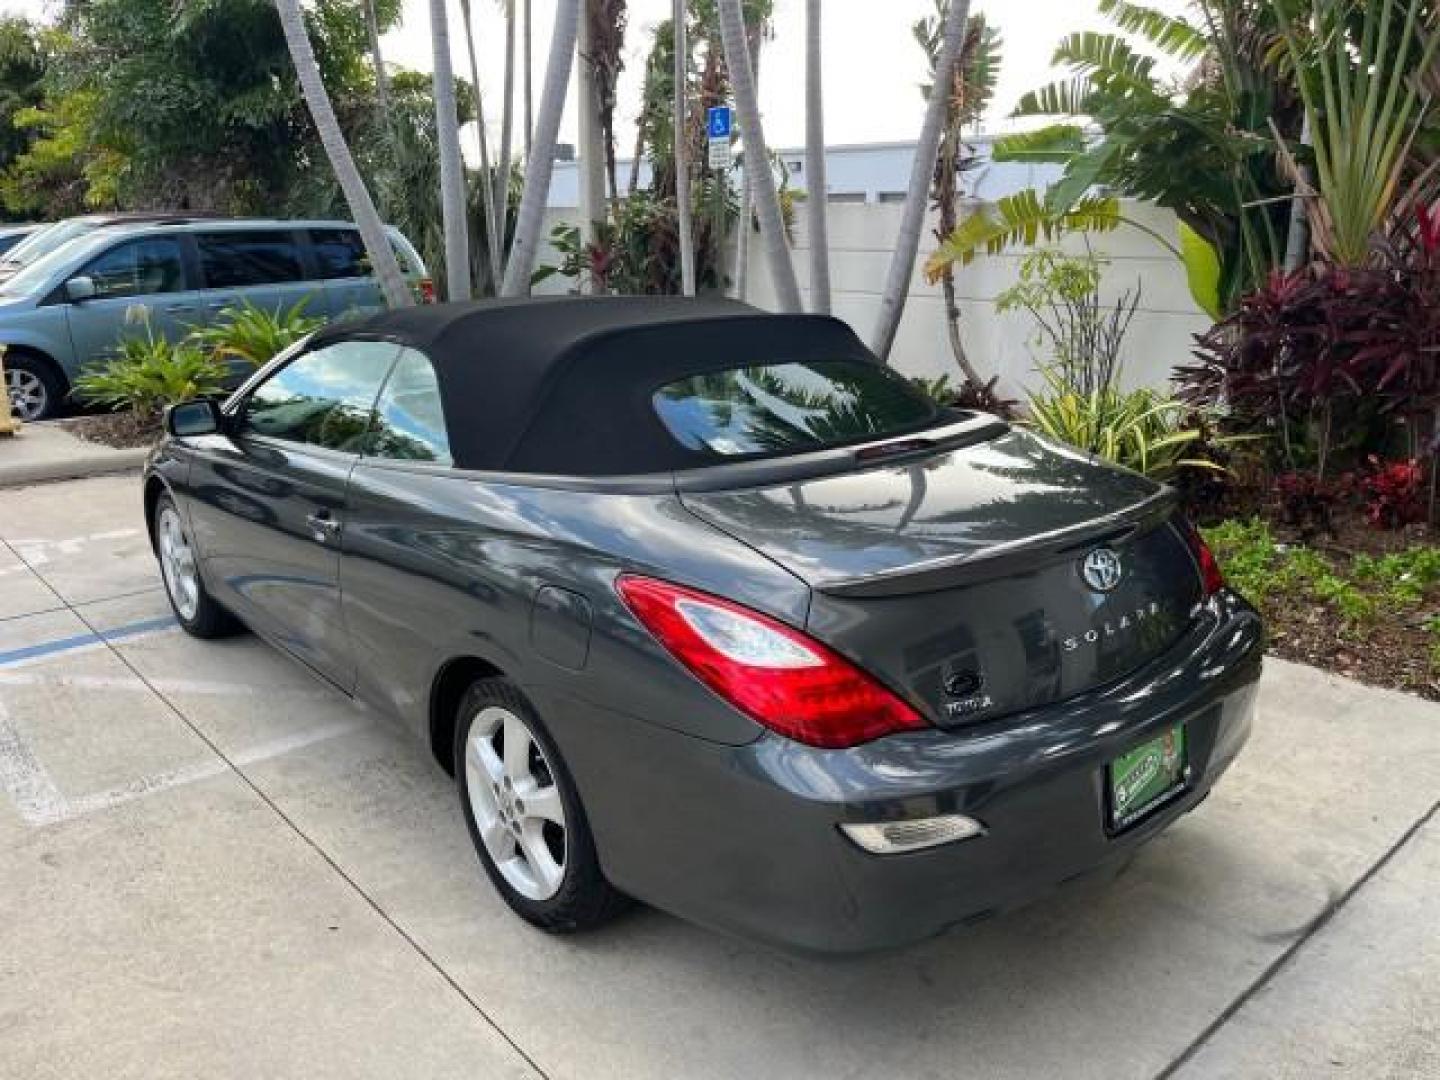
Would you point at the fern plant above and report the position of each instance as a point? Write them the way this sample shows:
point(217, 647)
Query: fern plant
point(252, 334)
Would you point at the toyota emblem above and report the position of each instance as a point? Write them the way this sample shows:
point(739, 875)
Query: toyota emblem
point(1101, 570)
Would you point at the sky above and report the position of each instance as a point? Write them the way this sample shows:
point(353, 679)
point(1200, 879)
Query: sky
point(873, 66)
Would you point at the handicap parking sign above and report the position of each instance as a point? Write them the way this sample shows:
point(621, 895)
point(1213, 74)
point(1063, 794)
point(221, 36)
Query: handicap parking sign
point(718, 122)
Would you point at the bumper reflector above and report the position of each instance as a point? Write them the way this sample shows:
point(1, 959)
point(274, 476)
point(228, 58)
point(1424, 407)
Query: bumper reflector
point(894, 837)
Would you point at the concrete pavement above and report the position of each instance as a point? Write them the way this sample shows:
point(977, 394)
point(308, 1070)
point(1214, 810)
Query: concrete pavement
point(210, 865)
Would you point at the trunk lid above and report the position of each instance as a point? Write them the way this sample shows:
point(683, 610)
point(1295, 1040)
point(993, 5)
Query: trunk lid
point(960, 578)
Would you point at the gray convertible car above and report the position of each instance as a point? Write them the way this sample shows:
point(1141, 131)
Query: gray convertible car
point(707, 607)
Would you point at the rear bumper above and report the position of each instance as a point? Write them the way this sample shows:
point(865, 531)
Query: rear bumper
point(746, 839)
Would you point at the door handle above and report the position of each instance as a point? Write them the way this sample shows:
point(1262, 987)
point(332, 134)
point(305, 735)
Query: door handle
point(323, 527)
point(173, 309)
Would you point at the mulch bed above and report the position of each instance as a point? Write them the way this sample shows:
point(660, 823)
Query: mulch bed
point(1394, 651)
point(121, 430)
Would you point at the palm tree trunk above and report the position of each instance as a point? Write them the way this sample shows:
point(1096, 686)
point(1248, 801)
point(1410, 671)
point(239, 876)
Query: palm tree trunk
point(902, 264)
point(529, 78)
point(635, 161)
point(767, 199)
point(357, 197)
point(382, 79)
point(541, 164)
point(452, 173)
point(592, 158)
point(747, 195)
point(817, 190)
point(507, 133)
point(684, 207)
point(1297, 242)
point(487, 193)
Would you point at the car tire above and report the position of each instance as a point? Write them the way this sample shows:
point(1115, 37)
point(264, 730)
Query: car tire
point(518, 843)
point(195, 609)
point(34, 388)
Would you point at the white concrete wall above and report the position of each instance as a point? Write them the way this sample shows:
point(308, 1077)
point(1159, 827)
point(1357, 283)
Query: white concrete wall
point(863, 172)
point(861, 242)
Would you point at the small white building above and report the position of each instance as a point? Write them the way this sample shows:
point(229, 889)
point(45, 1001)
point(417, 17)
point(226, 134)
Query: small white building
point(857, 173)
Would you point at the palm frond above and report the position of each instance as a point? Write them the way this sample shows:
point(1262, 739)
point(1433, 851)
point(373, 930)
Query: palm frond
point(1053, 143)
point(1022, 219)
point(1170, 34)
point(1068, 97)
point(1109, 62)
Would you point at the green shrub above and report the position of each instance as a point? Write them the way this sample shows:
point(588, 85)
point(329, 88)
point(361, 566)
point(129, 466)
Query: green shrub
point(1360, 592)
point(1246, 552)
point(1141, 430)
point(1404, 575)
point(150, 373)
point(250, 333)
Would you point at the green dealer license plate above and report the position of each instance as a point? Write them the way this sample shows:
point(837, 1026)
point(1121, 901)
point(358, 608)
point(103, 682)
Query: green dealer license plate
point(1146, 777)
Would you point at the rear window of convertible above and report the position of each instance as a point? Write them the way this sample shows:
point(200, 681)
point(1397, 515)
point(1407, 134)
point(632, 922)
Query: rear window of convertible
point(790, 407)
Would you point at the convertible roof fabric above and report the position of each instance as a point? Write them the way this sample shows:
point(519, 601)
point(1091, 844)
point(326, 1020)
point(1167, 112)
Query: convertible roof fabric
point(564, 385)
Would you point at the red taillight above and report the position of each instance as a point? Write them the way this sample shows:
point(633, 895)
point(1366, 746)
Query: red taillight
point(771, 672)
point(427, 290)
point(1211, 578)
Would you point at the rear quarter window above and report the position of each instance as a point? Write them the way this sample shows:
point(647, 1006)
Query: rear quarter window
point(793, 407)
point(232, 260)
point(339, 253)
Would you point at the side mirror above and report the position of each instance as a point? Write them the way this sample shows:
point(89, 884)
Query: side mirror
point(191, 418)
point(80, 289)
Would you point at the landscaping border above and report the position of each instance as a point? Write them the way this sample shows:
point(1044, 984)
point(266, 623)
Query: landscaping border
point(44, 452)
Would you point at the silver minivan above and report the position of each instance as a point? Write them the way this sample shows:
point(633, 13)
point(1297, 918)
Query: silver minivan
point(72, 306)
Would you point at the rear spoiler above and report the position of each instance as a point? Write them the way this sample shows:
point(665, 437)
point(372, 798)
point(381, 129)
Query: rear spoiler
point(1015, 556)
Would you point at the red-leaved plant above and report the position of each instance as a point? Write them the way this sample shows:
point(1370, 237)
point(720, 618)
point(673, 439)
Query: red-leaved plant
point(1307, 502)
point(1394, 493)
point(1333, 357)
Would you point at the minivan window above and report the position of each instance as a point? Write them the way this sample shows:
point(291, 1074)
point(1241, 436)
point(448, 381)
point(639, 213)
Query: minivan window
point(403, 257)
point(409, 420)
point(137, 268)
point(233, 260)
point(43, 241)
point(340, 253)
point(790, 407)
point(322, 398)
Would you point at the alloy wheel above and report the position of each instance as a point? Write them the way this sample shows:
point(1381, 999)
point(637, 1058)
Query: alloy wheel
point(516, 803)
point(28, 396)
point(177, 564)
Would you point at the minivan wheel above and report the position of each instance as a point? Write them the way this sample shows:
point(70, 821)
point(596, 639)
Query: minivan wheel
point(196, 611)
point(524, 814)
point(34, 388)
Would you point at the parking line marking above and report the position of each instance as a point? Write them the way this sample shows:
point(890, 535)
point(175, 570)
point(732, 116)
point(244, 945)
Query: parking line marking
point(23, 778)
point(37, 552)
point(89, 638)
point(193, 774)
point(40, 801)
point(197, 687)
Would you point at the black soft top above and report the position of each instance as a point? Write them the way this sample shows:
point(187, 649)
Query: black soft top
point(564, 385)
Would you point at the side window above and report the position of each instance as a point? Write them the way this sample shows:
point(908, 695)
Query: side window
point(340, 253)
point(409, 420)
point(233, 260)
point(137, 268)
point(407, 265)
point(322, 398)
